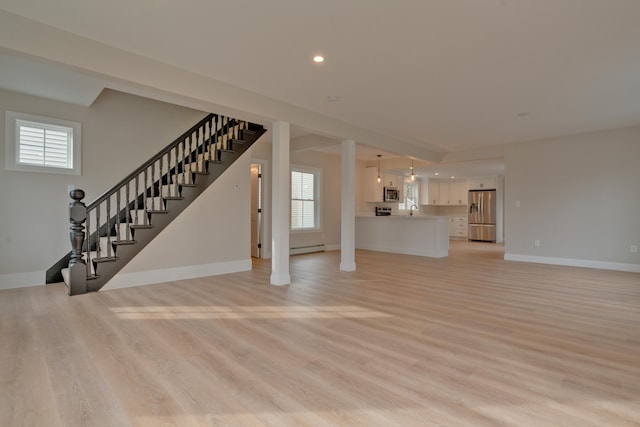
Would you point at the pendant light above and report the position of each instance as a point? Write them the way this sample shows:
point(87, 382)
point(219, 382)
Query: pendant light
point(413, 174)
point(379, 155)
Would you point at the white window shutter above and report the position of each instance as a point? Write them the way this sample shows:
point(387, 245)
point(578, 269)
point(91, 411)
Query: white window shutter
point(45, 145)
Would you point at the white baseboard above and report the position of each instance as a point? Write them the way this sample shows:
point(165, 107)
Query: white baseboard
point(334, 247)
point(22, 280)
point(126, 280)
point(571, 262)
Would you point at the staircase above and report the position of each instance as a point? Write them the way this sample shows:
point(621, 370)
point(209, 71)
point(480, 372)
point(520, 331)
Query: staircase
point(111, 230)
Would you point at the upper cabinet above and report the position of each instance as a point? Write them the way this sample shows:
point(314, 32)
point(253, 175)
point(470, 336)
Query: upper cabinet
point(429, 192)
point(482, 183)
point(458, 192)
point(444, 198)
point(443, 193)
point(390, 180)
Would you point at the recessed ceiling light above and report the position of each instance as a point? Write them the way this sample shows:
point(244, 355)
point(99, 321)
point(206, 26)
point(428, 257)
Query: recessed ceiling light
point(453, 177)
point(436, 174)
point(333, 98)
point(523, 114)
point(318, 58)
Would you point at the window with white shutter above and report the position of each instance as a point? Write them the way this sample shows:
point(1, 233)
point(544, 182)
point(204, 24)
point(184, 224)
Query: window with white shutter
point(305, 186)
point(42, 144)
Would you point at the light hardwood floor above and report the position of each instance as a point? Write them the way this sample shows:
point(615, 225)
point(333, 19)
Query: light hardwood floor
point(469, 340)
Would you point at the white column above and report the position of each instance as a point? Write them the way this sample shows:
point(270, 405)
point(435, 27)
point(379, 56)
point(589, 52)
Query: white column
point(348, 223)
point(280, 199)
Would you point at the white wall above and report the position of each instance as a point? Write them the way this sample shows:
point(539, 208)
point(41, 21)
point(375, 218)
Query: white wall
point(331, 191)
point(579, 195)
point(211, 236)
point(330, 199)
point(119, 132)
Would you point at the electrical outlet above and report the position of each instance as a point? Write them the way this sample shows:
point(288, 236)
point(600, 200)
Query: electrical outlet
point(536, 243)
point(634, 248)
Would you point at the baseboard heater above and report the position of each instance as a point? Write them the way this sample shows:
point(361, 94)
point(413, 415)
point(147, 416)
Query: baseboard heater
point(306, 249)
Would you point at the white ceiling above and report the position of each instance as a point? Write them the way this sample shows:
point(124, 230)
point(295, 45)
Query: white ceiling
point(448, 75)
point(457, 170)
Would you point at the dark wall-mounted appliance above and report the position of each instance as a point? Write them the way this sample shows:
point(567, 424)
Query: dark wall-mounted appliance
point(391, 194)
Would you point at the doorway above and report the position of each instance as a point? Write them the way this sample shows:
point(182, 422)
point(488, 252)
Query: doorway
point(256, 210)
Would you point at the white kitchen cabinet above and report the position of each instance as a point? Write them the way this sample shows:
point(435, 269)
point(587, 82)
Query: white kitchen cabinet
point(458, 193)
point(444, 193)
point(372, 188)
point(451, 227)
point(391, 180)
point(488, 183)
point(429, 192)
point(403, 234)
point(424, 191)
point(458, 227)
point(434, 192)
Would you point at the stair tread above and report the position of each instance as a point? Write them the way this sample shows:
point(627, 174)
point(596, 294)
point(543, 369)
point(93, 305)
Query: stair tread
point(124, 242)
point(105, 259)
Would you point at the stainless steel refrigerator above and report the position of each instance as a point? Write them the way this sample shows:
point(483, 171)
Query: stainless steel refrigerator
point(482, 215)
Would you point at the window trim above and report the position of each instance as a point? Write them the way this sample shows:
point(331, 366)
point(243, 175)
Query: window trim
point(12, 143)
point(403, 205)
point(317, 192)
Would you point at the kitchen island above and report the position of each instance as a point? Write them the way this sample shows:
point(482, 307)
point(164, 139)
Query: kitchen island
point(423, 235)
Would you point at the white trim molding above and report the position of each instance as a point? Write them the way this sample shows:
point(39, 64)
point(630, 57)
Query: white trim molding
point(571, 262)
point(127, 280)
point(22, 280)
point(72, 129)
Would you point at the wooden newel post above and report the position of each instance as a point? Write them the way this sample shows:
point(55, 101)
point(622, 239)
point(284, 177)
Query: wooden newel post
point(77, 265)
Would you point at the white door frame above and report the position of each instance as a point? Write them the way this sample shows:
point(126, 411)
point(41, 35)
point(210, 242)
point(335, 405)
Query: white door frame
point(265, 228)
